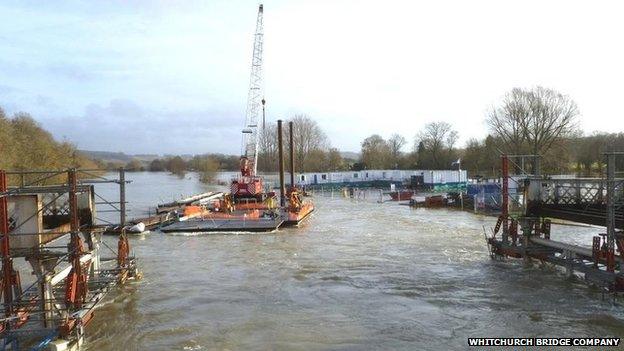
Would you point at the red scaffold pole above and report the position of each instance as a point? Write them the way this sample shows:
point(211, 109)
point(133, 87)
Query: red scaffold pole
point(7, 263)
point(505, 193)
point(76, 284)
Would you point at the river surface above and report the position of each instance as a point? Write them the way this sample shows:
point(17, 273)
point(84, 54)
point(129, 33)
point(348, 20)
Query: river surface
point(357, 275)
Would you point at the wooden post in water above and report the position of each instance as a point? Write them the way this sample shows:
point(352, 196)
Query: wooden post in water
point(280, 146)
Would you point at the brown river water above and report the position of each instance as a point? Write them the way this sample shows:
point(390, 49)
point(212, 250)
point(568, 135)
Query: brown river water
point(357, 275)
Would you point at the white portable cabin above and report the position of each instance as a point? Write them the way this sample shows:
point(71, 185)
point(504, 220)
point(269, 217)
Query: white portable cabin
point(430, 177)
point(439, 177)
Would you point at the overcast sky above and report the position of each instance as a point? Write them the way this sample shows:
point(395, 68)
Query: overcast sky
point(172, 76)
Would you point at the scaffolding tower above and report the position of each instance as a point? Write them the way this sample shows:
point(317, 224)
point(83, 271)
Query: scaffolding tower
point(54, 228)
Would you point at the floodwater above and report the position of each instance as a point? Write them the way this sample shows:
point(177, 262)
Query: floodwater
point(357, 275)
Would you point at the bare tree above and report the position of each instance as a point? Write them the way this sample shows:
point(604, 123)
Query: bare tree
point(309, 138)
point(267, 145)
point(533, 120)
point(396, 143)
point(310, 141)
point(435, 145)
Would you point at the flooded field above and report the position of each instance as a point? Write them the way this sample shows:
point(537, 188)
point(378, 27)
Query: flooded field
point(357, 275)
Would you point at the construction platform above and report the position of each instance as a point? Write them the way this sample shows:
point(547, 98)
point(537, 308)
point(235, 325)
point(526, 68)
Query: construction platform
point(53, 228)
point(524, 227)
point(532, 241)
point(224, 225)
point(251, 220)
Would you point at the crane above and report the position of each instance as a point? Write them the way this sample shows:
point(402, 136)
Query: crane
point(249, 184)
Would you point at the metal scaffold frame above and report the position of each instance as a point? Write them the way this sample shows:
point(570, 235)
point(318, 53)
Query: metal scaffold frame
point(71, 277)
point(527, 234)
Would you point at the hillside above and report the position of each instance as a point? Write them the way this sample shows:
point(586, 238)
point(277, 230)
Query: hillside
point(24, 145)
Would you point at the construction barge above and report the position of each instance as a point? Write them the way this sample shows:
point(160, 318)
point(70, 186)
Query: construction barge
point(53, 227)
point(165, 214)
point(248, 208)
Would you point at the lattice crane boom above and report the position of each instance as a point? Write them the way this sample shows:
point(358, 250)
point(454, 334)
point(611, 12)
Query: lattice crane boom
point(255, 104)
point(249, 185)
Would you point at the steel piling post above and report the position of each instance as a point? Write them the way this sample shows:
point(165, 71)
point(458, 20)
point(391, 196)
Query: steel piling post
point(611, 203)
point(122, 197)
point(280, 146)
point(292, 154)
point(505, 200)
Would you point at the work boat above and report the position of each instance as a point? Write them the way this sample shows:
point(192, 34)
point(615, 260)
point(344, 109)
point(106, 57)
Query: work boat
point(401, 195)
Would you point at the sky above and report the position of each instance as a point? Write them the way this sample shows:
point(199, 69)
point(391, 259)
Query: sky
point(165, 77)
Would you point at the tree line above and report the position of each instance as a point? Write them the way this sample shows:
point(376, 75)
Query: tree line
point(537, 121)
point(312, 149)
point(207, 165)
point(177, 164)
